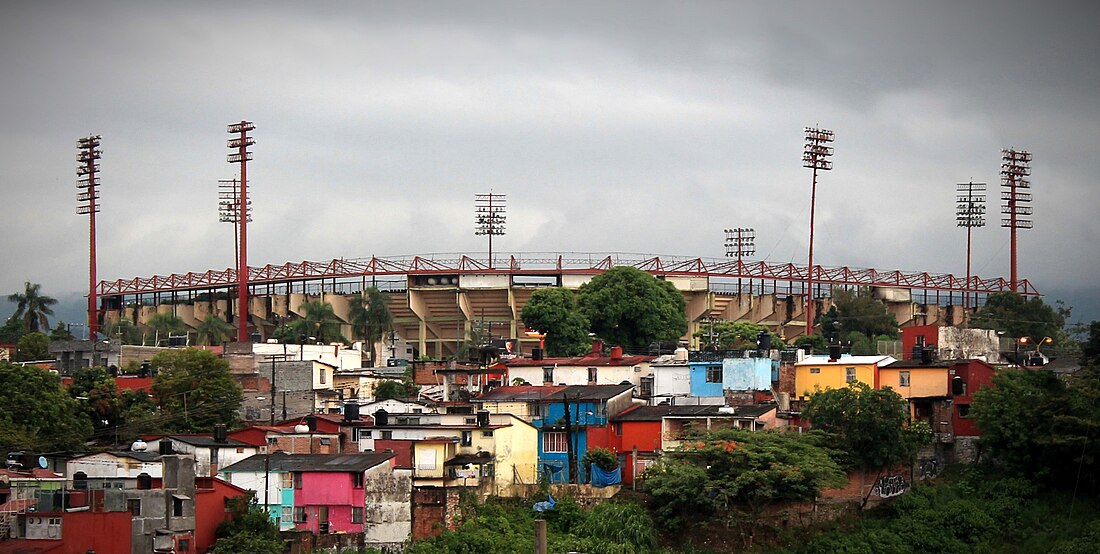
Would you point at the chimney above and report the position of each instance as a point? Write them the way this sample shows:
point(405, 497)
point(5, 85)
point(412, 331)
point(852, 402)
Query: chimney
point(616, 353)
point(597, 347)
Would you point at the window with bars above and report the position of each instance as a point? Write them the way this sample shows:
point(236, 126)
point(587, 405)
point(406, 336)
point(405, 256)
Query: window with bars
point(554, 443)
point(849, 374)
point(357, 515)
point(903, 378)
point(714, 374)
point(286, 480)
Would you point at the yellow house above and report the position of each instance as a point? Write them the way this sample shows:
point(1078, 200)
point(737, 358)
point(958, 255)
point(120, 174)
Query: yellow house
point(494, 457)
point(820, 372)
point(912, 379)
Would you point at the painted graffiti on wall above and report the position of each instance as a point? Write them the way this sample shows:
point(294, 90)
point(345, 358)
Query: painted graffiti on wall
point(929, 468)
point(889, 486)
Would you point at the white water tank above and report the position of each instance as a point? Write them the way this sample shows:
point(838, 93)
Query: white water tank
point(139, 446)
point(680, 355)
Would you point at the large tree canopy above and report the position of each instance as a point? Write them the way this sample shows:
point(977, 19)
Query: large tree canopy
point(871, 424)
point(554, 311)
point(735, 335)
point(194, 390)
point(1020, 317)
point(628, 307)
point(1042, 426)
point(318, 324)
point(98, 395)
point(856, 312)
point(36, 413)
point(33, 346)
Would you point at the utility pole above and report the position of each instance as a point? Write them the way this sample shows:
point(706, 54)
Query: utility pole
point(816, 157)
point(570, 450)
point(489, 217)
point(1015, 168)
point(969, 213)
point(88, 204)
point(241, 143)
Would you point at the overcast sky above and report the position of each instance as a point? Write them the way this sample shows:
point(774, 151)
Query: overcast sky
point(643, 127)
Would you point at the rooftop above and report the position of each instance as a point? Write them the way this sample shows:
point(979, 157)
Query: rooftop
point(281, 461)
point(657, 413)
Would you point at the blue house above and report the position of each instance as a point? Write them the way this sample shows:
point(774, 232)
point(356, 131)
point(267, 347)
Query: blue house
point(710, 377)
point(590, 406)
point(706, 378)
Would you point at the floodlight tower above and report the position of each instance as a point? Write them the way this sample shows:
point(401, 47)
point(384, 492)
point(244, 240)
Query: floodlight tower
point(229, 212)
point(969, 213)
point(816, 157)
point(1015, 169)
point(240, 143)
point(489, 217)
point(88, 204)
point(740, 242)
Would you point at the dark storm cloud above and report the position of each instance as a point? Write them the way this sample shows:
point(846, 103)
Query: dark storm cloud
point(378, 122)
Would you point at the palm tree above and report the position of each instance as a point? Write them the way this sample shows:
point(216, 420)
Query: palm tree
point(320, 323)
point(32, 307)
point(213, 330)
point(371, 318)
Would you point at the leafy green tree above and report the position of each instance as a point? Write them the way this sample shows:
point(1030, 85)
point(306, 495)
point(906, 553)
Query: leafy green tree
point(1043, 427)
point(734, 475)
point(125, 332)
point(1090, 348)
point(1020, 317)
point(61, 332)
point(858, 311)
point(213, 330)
point(554, 312)
point(12, 330)
point(33, 347)
point(95, 390)
point(248, 530)
point(194, 390)
point(319, 322)
point(32, 307)
point(371, 319)
point(735, 335)
point(36, 412)
point(629, 307)
point(140, 416)
point(162, 326)
point(813, 343)
point(871, 424)
point(405, 388)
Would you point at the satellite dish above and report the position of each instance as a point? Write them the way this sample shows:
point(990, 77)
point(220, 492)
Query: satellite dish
point(42, 462)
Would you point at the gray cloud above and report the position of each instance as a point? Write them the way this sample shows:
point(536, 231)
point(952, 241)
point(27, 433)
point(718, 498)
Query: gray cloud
point(619, 126)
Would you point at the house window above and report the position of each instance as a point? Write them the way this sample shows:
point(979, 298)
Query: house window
point(714, 374)
point(554, 443)
point(184, 545)
point(467, 438)
point(300, 515)
point(361, 433)
point(471, 421)
point(134, 506)
point(815, 370)
point(548, 374)
point(177, 506)
point(287, 513)
point(356, 480)
point(592, 376)
point(617, 428)
point(323, 376)
point(964, 410)
point(486, 433)
point(214, 456)
point(326, 442)
point(849, 374)
point(903, 378)
point(286, 481)
point(387, 435)
point(647, 386)
point(357, 515)
point(297, 479)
